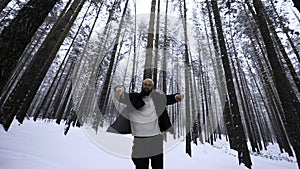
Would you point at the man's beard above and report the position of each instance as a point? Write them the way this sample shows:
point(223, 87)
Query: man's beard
point(145, 93)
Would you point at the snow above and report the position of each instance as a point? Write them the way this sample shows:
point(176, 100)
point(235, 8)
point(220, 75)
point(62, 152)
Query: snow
point(40, 145)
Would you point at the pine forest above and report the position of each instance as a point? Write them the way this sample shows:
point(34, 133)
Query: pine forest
point(237, 62)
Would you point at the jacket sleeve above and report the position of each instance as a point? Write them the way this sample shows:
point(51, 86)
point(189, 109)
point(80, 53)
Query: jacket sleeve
point(171, 99)
point(120, 126)
point(133, 100)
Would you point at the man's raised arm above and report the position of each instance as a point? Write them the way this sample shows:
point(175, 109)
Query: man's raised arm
point(174, 98)
point(119, 92)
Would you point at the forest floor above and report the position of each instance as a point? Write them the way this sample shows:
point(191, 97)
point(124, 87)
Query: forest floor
point(40, 145)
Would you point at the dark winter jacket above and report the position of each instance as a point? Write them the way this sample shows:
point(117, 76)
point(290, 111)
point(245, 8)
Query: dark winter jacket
point(134, 102)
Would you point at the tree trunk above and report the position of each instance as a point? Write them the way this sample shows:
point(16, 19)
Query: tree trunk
point(3, 4)
point(133, 76)
point(242, 94)
point(60, 98)
point(15, 37)
point(284, 54)
point(164, 64)
point(105, 87)
point(289, 101)
point(240, 140)
point(82, 113)
point(275, 107)
point(218, 65)
point(149, 49)
point(43, 105)
point(286, 33)
point(297, 4)
point(187, 80)
point(23, 94)
point(155, 73)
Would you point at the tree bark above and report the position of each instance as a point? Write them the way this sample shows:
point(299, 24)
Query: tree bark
point(267, 77)
point(286, 33)
point(187, 80)
point(3, 4)
point(15, 37)
point(164, 64)
point(106, 82)
point(133, 76)
point(289, 101)
point(149, 49)
point(155, 71)
point(239, 140)
point(297, 4)
point(23, 94)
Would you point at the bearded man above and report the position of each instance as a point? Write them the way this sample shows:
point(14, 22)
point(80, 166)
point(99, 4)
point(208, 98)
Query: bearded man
point(145, 117)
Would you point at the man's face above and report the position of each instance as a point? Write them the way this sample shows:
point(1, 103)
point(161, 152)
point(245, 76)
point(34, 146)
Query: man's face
point(147, 86)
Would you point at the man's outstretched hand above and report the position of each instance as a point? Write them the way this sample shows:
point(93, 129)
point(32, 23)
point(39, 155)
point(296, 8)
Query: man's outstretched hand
point(179, 97)
point(119, 93)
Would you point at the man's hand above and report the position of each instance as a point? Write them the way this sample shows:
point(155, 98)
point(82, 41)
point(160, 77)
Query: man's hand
point(119, 93)
point(179, 97)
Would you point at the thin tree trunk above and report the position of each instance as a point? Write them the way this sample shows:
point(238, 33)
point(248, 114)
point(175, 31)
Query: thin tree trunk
point(195, 127)
point(218, 65)
point(275, 121)
point(81, 116)
point(245, 108)
point(164, 64)
point(105, 87)
point(149, 48)
point(187, 67)
point(133, 77)
point(155, 73)
point(58, 88)
point(66, 78)
point(201, 90)
point(253, 129)
point(240, 88)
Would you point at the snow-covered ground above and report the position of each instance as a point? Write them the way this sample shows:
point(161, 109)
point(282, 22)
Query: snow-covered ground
point(40, 145)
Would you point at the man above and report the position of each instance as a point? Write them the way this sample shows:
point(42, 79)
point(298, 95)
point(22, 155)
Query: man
point(145, 117)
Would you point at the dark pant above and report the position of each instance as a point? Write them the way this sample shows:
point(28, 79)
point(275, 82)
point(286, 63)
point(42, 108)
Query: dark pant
point(143, 163)
point(148, 148)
